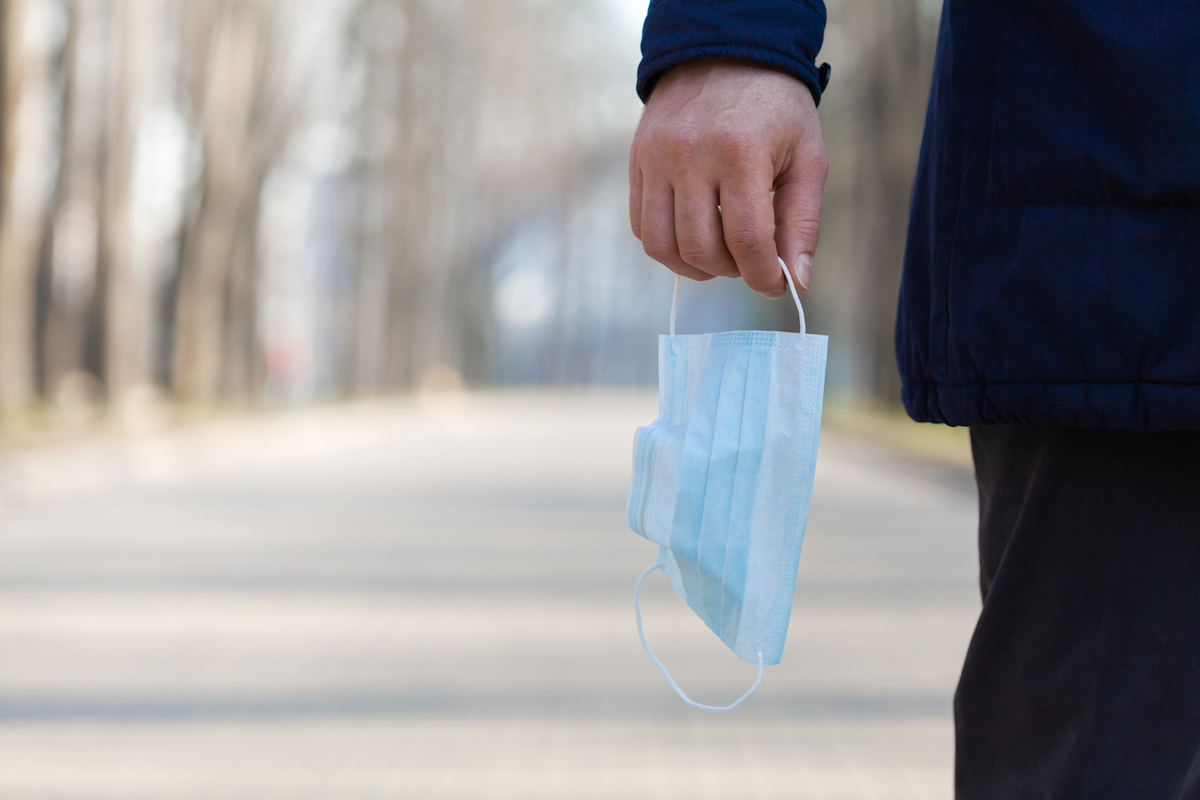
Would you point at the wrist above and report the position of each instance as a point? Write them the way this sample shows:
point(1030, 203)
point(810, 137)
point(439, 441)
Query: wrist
point(699, 70)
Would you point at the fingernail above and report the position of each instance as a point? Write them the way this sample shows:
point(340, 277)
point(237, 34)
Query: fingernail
point(804, 270)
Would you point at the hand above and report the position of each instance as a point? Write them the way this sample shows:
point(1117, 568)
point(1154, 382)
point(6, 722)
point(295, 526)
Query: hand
point(721, 132)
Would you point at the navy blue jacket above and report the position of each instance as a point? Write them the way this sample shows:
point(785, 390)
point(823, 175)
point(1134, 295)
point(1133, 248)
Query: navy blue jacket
point(1052, 273)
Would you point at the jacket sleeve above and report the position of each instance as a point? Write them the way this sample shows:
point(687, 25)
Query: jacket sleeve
point(783, 33)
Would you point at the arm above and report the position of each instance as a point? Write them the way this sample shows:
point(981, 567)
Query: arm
point(718, 131)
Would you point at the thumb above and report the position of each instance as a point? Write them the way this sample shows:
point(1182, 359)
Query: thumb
point(798, 223)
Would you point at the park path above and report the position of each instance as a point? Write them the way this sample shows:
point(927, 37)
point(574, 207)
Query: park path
point(431, 599)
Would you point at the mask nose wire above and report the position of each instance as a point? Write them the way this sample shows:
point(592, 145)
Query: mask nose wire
point(791, 285)
point(637, 606)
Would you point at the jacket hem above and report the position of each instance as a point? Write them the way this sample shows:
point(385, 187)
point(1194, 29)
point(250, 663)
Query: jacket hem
point(1130, 406)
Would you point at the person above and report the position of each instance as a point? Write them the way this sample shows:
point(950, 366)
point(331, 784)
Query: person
point(1050, 300)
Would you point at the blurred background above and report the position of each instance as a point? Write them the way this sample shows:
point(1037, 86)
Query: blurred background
point(240, 202)
point(323, 338)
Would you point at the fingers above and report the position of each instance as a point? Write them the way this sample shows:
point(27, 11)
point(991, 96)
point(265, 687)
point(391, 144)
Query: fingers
point(798, 215)
point(748, 221)
point(720, 131)
point(698, 233)
point(695, 246)
point(657, 228)
point(683, 229)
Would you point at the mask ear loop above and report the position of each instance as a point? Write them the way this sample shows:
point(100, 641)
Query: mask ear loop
point(674, 306)
point(786, 274)
point(637, 606)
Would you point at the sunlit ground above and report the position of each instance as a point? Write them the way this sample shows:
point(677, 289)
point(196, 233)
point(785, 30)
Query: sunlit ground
point(433, 600)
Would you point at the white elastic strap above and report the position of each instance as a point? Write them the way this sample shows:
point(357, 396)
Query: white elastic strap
point(786, 274)
point(637, 606)
point(674, 305)
point(795, 296)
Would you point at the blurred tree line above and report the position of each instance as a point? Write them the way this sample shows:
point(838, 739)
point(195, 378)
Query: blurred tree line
point(218, 201)
point(389, 145)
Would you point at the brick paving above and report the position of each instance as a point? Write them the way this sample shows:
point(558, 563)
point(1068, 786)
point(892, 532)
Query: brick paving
point(432, 600)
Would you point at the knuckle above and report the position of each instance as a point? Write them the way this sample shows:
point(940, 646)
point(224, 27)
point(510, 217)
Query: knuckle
point(674, 145)
point(809, 229)
point(736, 148)
point(816, 164)
point(694, 252)
point(685, 144)
point(748, 242)
point(658, 248)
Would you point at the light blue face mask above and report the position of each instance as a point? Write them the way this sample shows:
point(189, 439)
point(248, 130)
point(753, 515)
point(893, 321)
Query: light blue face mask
point(722, 480)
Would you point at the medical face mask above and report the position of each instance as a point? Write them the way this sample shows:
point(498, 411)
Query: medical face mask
point(722, 480)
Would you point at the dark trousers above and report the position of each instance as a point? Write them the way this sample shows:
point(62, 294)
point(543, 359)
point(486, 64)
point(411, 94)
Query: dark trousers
point(1082, 679)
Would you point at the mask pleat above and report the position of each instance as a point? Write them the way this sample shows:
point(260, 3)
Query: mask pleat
point(724, 456)
point(796, 387)
point(741, 518)
point(695, 468)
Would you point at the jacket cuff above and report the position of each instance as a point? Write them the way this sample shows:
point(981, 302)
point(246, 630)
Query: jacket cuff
point(786, 34)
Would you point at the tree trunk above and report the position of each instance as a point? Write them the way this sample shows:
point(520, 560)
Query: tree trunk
point(124, 289)
point(894, 83)
point(18, 231)
point(227, 62)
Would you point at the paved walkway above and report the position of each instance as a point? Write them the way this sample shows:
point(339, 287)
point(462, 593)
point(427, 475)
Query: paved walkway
point(433, 601)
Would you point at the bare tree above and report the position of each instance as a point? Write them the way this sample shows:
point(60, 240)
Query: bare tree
point(892, 82)
point(123, 366)
point(18, 230)
point(242, 117)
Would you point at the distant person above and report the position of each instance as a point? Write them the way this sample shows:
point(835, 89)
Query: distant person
point(1050, 301)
